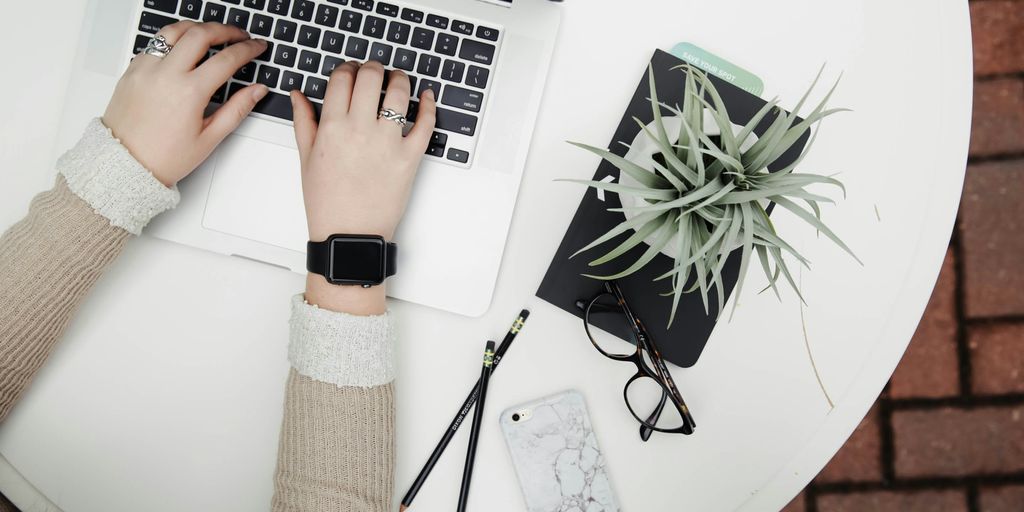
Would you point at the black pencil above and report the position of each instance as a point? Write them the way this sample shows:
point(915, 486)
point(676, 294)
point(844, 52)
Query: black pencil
point(467, 405)
point(474, 432)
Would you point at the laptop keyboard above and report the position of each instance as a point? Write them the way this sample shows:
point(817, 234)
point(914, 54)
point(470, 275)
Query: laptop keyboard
point(452, 55)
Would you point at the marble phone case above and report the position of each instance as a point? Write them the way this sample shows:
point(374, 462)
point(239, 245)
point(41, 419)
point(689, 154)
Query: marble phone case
point(556, 457)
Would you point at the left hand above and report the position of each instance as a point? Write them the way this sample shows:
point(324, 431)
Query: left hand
point(158, 107)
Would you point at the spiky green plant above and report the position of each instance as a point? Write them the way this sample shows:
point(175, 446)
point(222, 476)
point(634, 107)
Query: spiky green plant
point(710, 197)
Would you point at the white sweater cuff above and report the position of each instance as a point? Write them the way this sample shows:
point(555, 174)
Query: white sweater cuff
point(102, 172)
point(342, 349)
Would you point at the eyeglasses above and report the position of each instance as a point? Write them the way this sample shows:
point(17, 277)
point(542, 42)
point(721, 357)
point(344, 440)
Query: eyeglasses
point(651, 395)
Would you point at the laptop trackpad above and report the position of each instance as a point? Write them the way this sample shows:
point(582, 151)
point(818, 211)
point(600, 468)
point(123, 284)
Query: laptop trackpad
point(256, 193)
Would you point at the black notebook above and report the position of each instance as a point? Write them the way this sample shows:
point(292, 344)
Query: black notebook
point(563, 284)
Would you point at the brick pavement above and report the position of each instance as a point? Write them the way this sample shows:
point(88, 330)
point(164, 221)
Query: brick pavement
point(948, 432)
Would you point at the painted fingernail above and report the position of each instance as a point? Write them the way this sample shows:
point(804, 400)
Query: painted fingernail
point(259, 92)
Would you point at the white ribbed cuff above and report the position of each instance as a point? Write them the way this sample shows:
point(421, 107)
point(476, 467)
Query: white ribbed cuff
point(104, 174)
point(342, 349)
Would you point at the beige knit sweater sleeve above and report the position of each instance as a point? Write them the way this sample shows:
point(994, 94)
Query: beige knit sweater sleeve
point(337, 436)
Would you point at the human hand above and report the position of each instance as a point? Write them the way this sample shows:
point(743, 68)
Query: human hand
point(357, 170)
point(158, 107)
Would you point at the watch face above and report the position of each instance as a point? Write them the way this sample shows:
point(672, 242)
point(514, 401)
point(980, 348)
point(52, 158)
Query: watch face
point(357, 260)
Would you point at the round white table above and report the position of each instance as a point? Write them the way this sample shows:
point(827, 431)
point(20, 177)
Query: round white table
point(166, 392)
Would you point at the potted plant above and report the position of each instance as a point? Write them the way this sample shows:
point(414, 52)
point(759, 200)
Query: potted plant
point(696, 187)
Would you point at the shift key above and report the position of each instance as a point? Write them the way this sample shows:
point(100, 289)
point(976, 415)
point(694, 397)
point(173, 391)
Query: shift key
point(452, 121)
point(462, 98)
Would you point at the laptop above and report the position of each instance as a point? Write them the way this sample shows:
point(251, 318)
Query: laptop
point(486, 60)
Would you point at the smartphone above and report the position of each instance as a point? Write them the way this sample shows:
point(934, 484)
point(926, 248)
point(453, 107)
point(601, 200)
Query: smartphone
point(556, 457)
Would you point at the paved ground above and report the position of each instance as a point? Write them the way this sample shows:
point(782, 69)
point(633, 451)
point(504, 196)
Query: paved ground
point(948, 432)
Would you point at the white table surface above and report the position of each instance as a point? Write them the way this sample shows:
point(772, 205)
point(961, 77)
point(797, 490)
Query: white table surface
point(166, 392)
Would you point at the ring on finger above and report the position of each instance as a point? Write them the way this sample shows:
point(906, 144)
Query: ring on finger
point(392, 115)
point(158, 47)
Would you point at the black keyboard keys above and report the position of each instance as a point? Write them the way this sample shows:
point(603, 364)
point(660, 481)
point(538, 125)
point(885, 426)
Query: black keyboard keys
point(429, 84)
point(276, 105)
point(327, 15)
point(458, 155)
point(453, 70)
point(141, 42)
point(285, 30)
point(366, 5)
point(446, 44)
point(238, 18)
point(191, 9)
point(374, 27)
point(268, 76)
point(356, 48)
point(303, 10)
point(350, 21)
point(477, 77)
point(267, 54)
point(309, 61)
point(398, 32)
point(429, 65)
point(161, 5)
point(333, 42)
point(422, 38)
point(477, 51)
point(255, 4)
point(246, 73)
point(214, 13)
point(285, 55)
point(405, 59)
point(315, 88)
point(381, 53)
point(412, 15)
point(457, 122)
point(262, 25)
point(437, 21)
point(290, 81)
point(279, 7)
point(466, 99)
point(309, 36)
point(487, 33)
point(330, 64)
point(462, 27)
point(387, 9)
point(152, 23)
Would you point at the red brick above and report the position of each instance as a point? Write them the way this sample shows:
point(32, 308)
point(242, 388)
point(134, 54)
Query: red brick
point(958, 442)
point(992, 239)
point(797, 505)
point(930, 368)
point(997, 358)
point(1001, 499)
point(997, 124)
point(893, 501)
point(997, 27)
point(860, 458)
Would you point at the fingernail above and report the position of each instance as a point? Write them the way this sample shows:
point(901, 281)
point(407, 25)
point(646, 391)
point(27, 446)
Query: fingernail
point(259, 92)
point(430, 92)
point(261, 41)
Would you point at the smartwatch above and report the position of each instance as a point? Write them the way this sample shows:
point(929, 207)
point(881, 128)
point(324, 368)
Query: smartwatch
point(358, 260)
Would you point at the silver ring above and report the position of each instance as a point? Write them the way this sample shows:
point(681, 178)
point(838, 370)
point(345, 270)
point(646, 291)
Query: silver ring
point(391, 115)
point(158, 47)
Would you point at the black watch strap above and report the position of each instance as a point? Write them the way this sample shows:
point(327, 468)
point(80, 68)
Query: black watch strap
point(318, 258)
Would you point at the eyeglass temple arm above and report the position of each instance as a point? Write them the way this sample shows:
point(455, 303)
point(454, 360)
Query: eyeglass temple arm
point(645, 431)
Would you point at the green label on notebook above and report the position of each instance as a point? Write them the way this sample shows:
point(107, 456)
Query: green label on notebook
point(716, 66)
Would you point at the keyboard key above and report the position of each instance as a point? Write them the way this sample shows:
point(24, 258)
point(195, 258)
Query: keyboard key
point(435, 150)
point(213, 13)
point(235, 2)
point(437, 21)
point(429, 65)
point(453, 70)
point(356, 48)
point(366, 5)
point(405, 59)
point(285, 55)
point(141, 42)
point(477, 51)
point(333, 42)
point(255, 4)
point(439, 138)
point(330, 63)
point(410, 113)
point(268, 53)
point(152, 23)
point(398, 32)
point(466, 99)
point(429, 84)
point(458, 155)
point(446, 44)
point(387, 9)
point(457, 122)
point(350, 21)
point(374, 27)
point(339, 2)
point(291, 81)
point(285, 30)
point(246, 73)
point(487, 33)
point(412, 84)
point(268, 76)
point(276, 105)
point(381, 53)
point(477, 77)
point(262, 25)
point(238, 18)
point(303, 10)
point(162, 5)
point(279, 7)
point(191, 9)
point(309, 36)
point(220, 95)
point(327, 15)
point(422, 38)
point(315, 88)
point(412, 15)
point(462, 27)
point(309, 61)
